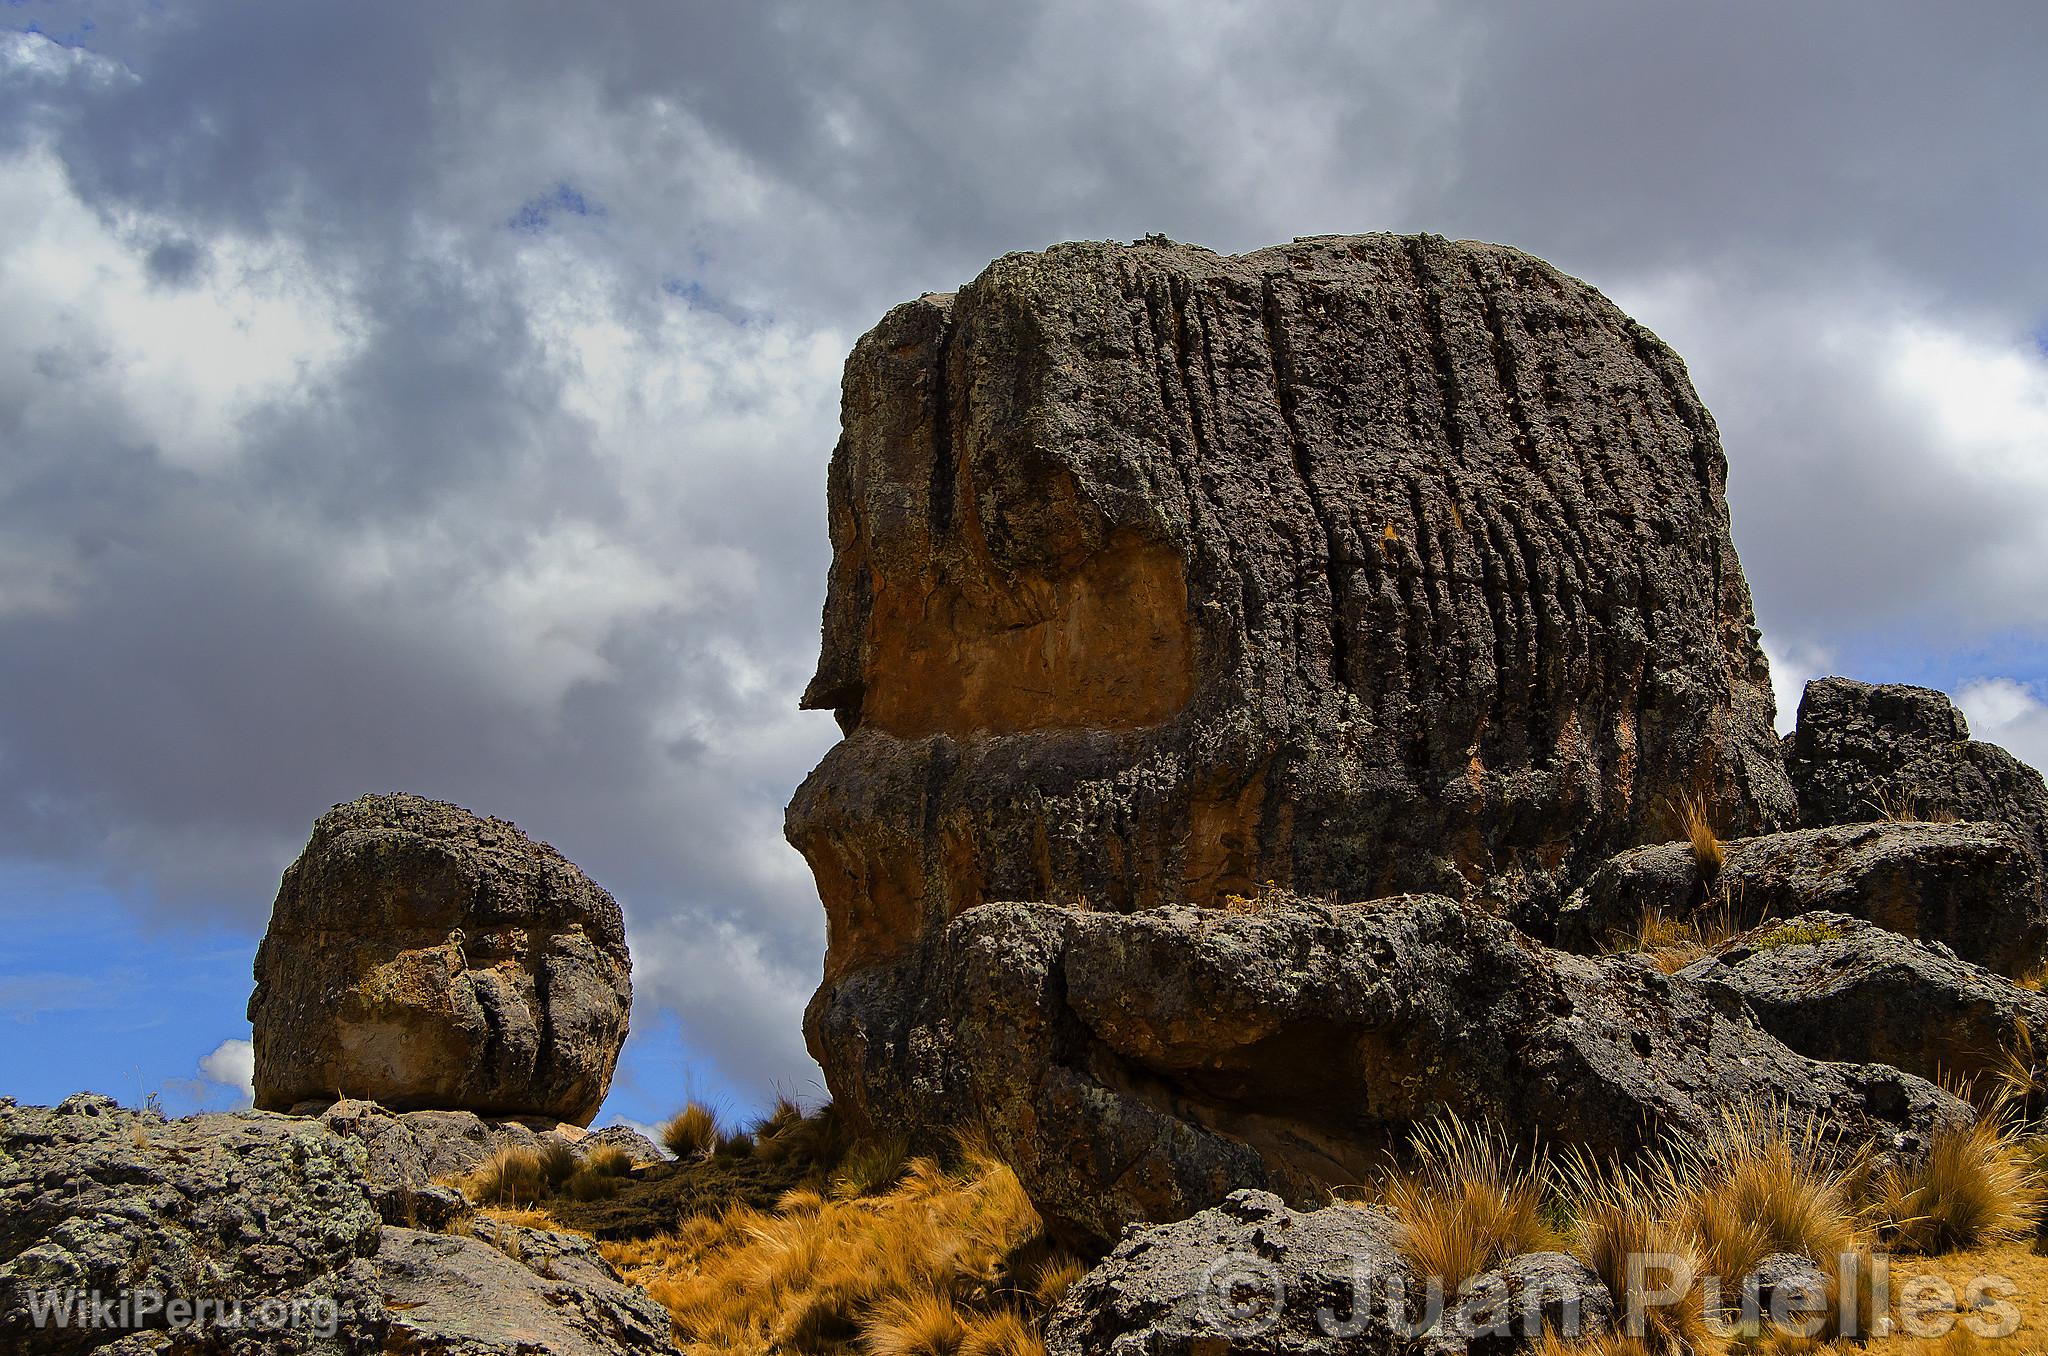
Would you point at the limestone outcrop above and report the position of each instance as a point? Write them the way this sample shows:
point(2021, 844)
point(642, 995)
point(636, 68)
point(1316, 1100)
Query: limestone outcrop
point(267, 1229)
point(1867, 751)
point(1839, 988)
point(1143, 1066)
point(1975, 887)
point(1362, 564)
point(426, 958)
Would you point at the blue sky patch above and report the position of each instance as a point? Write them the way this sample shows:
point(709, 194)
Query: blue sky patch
point(537, 214)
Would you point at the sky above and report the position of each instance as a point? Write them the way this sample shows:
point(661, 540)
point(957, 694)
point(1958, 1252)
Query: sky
point(438, 398)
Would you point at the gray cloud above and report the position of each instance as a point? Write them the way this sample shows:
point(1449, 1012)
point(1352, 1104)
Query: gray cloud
point(343, 452)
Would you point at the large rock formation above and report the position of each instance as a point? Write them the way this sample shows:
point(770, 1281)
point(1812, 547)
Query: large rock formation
point(1972, 886)
point(100, 1202)
point(1836, 987)
point(1142, 1066)
point(424, 957)
point(267, 1230)
point(1869, 751)
point(1363, 564)
point(1253, 1276)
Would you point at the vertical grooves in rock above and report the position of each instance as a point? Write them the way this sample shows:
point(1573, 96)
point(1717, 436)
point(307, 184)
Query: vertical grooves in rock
point(944, 466)
point(1281, 363)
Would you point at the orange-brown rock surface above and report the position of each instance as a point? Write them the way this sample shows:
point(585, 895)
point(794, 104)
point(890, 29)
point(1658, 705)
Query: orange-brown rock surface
point(1361, 564)
point(424, 957)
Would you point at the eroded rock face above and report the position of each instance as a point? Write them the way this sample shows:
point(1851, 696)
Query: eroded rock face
point(508, 1290)
point(1875, 751)
point(273, 1222)
point(1971, 886)
point(1364, 564)
point(1143, 1066)
point(1252, 1275)
point(261, 1210)
point(1836, 987)
point(423, 957)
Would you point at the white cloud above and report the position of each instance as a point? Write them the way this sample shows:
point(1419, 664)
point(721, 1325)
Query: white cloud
point(232, 1064)
point(2010, 713)
point(1792, 668)
point(173, 366)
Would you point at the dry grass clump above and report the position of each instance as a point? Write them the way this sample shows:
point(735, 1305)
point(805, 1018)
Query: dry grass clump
point(600, 1174)
point(945, 1260)
point(509, 1177)
point(691, 1132)
point(1620, 1216)
point(1674, 943)
point(1765, 1183)
point(1696, 826)
point(1470, 1200)
point(1900, 806)
point(871, 1166)
point(1977, 1185)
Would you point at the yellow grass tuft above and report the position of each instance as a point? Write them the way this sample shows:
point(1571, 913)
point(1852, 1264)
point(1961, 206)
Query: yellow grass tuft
point(1977, 1185)
point(923, 1257)
point(1470, 1200)
point(509, 1177)
point(691, 1132)
point(1696, 826)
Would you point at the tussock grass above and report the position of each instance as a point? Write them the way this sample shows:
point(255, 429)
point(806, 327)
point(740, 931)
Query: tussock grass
point(558, 1162)
point(509, 1177)
point(1693, 818)
point(871, 1166)
point(1977, 1185)
point(691, 1132)
point(1674, 943)
point(1620, 1214)
point(600, 1174)
point(1470, 1200)
point(939, 1258)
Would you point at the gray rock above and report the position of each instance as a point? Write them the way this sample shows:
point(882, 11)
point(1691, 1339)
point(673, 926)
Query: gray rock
point(1869, 751)
point(512, 1291)
point(1972, 886)
point(1784, 1289)
point(1862, 994)
point(1250, 1276)
point(251, 1210)
point(640, 1150)
point(1364, 564)
point(273, 1223)
point(1143, 1066)
point(425, 958)
point(1505, 1310)
point(407, 1154)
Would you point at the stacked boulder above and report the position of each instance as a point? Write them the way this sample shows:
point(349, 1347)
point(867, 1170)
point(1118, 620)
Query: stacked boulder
point(426, 958)
point(1320, 647)
point(434, 988)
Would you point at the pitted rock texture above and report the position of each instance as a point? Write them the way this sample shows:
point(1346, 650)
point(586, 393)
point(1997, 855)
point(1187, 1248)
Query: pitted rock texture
point(1836, 987)
point(255, 1209)
point(1870, 751)
point(272, 1221)
point(1140, 1067)
point(1363, 564)
point(1973, 886)
point(1250, 1275)
point(426, 958)
point(511, 1291)
point(1254, 1276)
